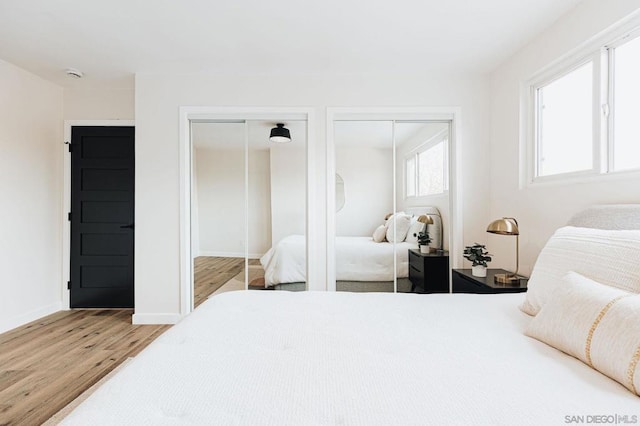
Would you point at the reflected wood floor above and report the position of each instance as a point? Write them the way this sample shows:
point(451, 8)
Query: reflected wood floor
point(211, 273)
point(46, 364)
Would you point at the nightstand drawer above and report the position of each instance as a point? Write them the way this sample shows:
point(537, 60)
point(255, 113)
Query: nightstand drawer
point(465, 282)
point(416, 263)
point(429, 272)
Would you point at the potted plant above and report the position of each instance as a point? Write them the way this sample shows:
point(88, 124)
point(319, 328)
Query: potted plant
point(423, 241)
point(479, 256)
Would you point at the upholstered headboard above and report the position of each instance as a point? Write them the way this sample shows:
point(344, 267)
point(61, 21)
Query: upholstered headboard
point(612, 216)
point(435, 229)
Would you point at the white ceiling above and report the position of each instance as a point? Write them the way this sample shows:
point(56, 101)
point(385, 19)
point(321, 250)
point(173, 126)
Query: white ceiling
point(110, 41)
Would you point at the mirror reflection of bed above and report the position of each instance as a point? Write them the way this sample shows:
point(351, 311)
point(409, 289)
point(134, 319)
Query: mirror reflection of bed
point(248, 192)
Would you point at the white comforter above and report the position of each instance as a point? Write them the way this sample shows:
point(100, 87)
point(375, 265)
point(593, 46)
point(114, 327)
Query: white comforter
point(357, 259)
point(310, 358)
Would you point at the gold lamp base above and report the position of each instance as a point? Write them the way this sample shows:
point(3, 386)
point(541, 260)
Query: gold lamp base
point(511, 279)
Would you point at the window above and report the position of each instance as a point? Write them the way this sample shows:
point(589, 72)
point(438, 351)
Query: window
point(585, 113)
point(426, 170)
point(565, 137)
point(626, 104)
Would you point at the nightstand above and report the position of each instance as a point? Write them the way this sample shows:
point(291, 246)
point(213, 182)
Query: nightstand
point(429, 272)
point(464, 282)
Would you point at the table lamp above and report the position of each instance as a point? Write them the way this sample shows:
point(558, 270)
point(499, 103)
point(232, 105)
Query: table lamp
point(507, 226)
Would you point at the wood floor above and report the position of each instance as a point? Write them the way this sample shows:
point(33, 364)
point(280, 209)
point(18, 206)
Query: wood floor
point(46, 364)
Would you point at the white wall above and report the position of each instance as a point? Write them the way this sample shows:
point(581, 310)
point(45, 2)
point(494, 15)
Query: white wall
point(288, 190)
point(99, 104)
point(221, 202)
point(368, 186)
point(31, 152)
point(441, 201)
point(159, 96)
point(541, 210)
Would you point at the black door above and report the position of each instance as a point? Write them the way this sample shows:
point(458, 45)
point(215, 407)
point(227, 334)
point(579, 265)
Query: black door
point(102, 212)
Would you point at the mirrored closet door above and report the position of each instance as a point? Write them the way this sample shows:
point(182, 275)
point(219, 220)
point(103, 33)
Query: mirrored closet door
point(248, 206)
point(391, 189)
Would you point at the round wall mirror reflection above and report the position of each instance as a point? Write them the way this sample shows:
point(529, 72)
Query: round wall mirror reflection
point(340, 199)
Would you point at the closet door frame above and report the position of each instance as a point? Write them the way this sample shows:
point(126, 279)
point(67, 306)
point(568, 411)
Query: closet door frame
point(188, 114)
point(452, 114)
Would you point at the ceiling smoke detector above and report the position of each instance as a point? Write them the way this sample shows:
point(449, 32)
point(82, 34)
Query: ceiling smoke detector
point(72, 72)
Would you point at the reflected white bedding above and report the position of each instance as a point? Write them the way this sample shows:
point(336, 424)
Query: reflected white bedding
point(317, 358)
point(357, 259)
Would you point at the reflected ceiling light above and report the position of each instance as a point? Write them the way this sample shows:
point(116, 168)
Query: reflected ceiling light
point(280, 134)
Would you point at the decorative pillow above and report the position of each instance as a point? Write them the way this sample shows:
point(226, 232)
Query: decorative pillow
point(379, 234)
point(609, 257)
point(597, 324)
point(414, 228)
point(403, 222)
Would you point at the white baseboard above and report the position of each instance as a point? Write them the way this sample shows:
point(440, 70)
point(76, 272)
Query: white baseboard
point(147, 319)
point(229, 254)
point(17, 321)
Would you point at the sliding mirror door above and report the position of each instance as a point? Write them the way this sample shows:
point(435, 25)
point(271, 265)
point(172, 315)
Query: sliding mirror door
point(218, 207)
point(422, 193)
point(391, 189)
point(283, 265)
point(364, 257)
point(248, 207)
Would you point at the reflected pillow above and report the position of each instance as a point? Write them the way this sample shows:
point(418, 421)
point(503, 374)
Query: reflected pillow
point(403, 222)
point(598, 324)
point(414, 228)
point(379, 234)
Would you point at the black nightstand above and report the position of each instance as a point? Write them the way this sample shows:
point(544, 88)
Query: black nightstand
point(464, 282)
point(429, 272)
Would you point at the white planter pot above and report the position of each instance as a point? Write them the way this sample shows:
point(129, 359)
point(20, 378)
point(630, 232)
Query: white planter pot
point(479, 271)
point(424, 249)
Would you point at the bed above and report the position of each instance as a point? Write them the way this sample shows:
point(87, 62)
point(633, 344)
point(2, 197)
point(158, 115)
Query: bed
point(361, 263)
point(339, 358)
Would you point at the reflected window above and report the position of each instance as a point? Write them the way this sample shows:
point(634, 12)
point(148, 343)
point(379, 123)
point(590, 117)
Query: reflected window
point(426, 170)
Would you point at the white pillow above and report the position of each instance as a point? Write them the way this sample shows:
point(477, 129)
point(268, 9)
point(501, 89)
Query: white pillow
point(379, 234)
point(403, 222)
point(609, 257)
point(414, 228)
point(597, 324)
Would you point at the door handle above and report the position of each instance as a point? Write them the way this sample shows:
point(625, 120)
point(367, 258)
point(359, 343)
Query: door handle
point(129, 226)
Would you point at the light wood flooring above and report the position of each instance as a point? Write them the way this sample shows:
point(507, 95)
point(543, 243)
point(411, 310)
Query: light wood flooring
point(46, 364)
point(210, 273)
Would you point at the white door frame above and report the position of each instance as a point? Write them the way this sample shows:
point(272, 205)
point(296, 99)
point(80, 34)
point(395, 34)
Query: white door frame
point(189, 113)
point(66, 197)
point(452, 114)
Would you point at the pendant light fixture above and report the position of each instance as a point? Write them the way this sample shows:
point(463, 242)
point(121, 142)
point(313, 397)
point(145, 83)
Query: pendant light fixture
point(280, 134)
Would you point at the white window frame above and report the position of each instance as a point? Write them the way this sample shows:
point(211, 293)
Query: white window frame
point(600, 51)
point(415, 152)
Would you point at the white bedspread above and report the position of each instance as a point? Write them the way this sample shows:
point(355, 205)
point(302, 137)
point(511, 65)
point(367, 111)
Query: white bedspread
point(309, 358)
point(357, 259)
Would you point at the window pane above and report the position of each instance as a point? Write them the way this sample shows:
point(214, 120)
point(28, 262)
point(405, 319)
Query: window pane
point(431, 170)
point(565, 133)
point(626, 133)
point(411, 177)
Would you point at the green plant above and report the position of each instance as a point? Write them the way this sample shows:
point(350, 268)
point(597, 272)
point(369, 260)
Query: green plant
point(423, 238)
point(477, 254)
